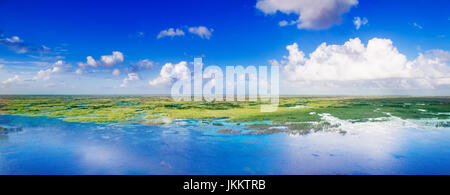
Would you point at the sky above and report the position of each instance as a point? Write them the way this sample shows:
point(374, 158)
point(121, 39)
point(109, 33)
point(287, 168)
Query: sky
point(323, 47)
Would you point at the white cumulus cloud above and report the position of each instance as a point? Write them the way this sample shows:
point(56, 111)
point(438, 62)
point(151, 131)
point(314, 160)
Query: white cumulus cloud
point(170, 73)
point(90, 61)
point(171, 32)
point(358, 22)
point(44, 75)
point(107, 61)
point(313, 14)
point(111, 60)
point(131, 77)
point(378, 64)
point(201, 31)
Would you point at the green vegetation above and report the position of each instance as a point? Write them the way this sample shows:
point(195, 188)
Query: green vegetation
point(301, 128)
point(303, 111)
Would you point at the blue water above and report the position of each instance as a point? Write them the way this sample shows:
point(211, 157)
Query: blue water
point(51, 146)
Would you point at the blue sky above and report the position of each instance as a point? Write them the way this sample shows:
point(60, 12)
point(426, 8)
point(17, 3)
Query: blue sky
point(35, 35)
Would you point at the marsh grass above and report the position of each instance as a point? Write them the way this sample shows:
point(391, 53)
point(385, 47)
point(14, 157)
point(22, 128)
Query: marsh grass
point(107, 109)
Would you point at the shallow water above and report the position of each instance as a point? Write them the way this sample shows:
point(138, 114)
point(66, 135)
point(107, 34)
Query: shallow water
point(51, 146)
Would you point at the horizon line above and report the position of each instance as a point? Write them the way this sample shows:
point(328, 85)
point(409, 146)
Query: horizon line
point(283, 95)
